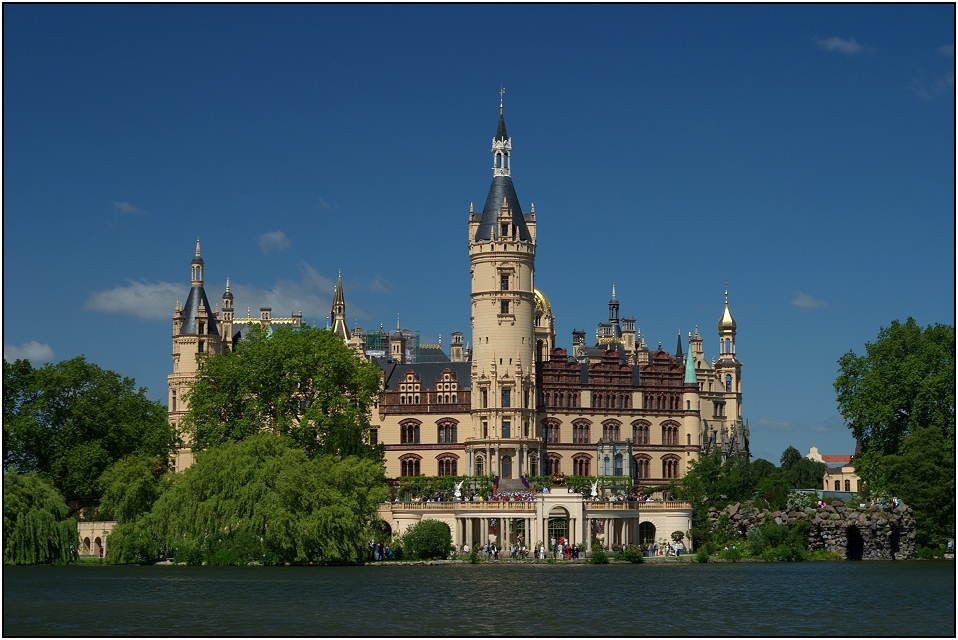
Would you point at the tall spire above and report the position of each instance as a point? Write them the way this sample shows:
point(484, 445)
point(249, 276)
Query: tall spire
point(502, 215)
point(678, 346)
point(501, 132)
point(337, 315)
point(197, 267)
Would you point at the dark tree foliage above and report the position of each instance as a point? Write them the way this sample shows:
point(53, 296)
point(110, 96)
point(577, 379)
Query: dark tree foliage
point(36, 529)
point(806, 474)
point(790, 457)
point(427, 540)
point(260, 499)
point(899, 401)
point(303, 383)
point(905, 381)
point(131, 486)
point(71, 420)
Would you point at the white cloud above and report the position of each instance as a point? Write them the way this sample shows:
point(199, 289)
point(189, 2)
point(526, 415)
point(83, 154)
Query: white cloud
point(947, 49)
point(273, 241)
point(150, 301)
point(841, 45)
point(126, 207)
point(312, 294)
point(805, 301)
point(32, 351)
point(927, 90)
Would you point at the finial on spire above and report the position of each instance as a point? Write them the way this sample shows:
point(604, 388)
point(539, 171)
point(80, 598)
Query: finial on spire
point(397, 322)
point(227, 283)
point(502, 91)
point(197, 246)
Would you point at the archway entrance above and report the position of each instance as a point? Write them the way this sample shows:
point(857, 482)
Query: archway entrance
point(646, 533)
point(854, 545)
point(506, 467)
point(558, 528)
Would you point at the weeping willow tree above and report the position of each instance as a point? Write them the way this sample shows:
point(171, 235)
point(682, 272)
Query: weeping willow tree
point(261, 499)
point(35, 527)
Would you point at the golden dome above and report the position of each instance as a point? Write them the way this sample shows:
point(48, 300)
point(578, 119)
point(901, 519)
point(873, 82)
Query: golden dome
point(727, 323)
point(542, 304)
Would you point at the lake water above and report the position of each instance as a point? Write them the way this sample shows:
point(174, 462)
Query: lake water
point(876, 598)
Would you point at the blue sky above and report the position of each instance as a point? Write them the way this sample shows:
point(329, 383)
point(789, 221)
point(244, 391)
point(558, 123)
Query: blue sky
point(805, 153)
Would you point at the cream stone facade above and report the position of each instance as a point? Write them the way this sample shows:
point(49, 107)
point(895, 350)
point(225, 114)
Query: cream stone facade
point(510, 403)
point(839, 471)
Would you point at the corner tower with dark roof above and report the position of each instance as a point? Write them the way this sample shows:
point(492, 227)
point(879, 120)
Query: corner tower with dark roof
point(195, 334)
point(502, 249)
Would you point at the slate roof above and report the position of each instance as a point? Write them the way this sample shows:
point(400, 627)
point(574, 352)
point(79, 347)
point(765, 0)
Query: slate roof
point(432, 354)
point(501, 131)
point(501, 187)
point(192, 307)
point(428, 372)
point(840, 459)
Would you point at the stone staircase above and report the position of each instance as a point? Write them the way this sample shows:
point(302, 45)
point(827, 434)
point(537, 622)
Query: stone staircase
point(511, 484)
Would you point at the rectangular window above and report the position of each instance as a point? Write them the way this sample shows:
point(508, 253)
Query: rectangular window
point(504, 283)
point(506, 397)
point(505, 231)
point(174, 400)
point(199, 349)
point(374, 437)
point(202, 326)
point(506, 428)
point(838, 485)
point(504, 307)
point(485, 398)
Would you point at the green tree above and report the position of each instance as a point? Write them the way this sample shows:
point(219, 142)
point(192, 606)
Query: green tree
point(790, 457)
point(714, 482)
point(264, 498)
point(71, 420)
point(36, 529)
point(131, 485)
point(899, 402)
point(806, 474)
point(773, 493)
point(427, 540)
point(905, 381)
point(299, 382)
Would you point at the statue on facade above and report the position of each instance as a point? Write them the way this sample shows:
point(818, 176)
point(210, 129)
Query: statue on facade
point(458, 493)
point(595, 488)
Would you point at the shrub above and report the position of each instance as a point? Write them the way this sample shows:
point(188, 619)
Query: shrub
point(824, 554)
point(732, 554)
point(632, 556)
point(702, 555)
point(427, 540)
point(474, 555)
point(599, 557)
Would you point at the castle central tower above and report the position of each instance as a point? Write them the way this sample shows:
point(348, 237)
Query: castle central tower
point(502, 250)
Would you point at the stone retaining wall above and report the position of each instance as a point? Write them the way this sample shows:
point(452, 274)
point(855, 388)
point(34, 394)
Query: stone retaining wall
point(873, 532)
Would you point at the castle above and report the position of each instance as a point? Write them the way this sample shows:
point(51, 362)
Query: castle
point(511, 403)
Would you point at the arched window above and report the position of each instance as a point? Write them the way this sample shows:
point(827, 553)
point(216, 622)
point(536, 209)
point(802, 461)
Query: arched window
point(728, 382)
point(553, 465)
point(670, 467)
point(580, 465)
point(848, 485)
point(410, 465)
point(447, 433)
point(409, 433)
point(580, 433)
point(533, 464)
point(642, 466)
point(670, 433)
point(550, 431)
point(447, 466)
point(610, 430)
point(640, 432)
point(480, 466)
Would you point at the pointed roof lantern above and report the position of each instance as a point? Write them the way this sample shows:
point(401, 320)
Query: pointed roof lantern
point(502, 193)
point(678, 346)
point(727, 323)
point(227, 295)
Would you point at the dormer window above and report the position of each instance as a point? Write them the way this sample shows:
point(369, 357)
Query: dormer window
point(505, 231)
point(202, 327)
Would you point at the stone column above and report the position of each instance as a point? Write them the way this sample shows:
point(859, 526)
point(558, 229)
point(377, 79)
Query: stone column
point(588, 535)
point(498, 471)
point(484, 532)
